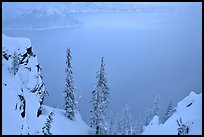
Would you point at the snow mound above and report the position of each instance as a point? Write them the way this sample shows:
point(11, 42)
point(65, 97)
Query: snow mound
point(189, 110)
point(155, 121)
point(62, 125)
point(23, 93)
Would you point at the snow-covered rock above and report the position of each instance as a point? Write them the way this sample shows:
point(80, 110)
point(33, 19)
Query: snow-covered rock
point(189, 110)
point(23, 92)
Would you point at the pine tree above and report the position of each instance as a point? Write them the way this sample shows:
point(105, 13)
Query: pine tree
point(139, 127)
point(69, 93)
point(47, 126)
point(147, 117)
point(125, 122)
point(15, 63)
point(111, 127)
point(111, 124)
point(170, 110)
point(156, 106)
point(100, 101)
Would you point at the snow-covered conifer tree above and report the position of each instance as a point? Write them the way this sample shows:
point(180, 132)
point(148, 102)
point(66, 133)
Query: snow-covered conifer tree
point(47, 126)
point(126, 122)
point(170, 110)
point(69, 92)
point(111, 127)
point(111, 123)
point(139, 127)
point(100, 101)
point(148, 116)
point(156, 105)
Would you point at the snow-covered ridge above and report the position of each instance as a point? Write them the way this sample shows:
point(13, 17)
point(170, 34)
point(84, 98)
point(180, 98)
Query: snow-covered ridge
point(51, 11)
point(189, 110)
point(23, 92)
point(23, 87)
point(40, 16)
point(15, 44)
point(42, 12)
point(41, 19)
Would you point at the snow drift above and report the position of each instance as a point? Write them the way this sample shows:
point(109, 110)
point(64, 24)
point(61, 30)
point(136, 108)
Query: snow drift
point(189, 110)
point(23, 93)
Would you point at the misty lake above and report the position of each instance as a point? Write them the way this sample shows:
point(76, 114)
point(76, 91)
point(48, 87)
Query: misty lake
point(145, 54)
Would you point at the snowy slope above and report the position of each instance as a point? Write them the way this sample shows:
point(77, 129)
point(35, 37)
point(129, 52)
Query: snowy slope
point(62, 125)
point(23, 94)
point(190, 111)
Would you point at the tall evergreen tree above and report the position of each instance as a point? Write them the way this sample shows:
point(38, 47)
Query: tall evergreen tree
point(100, 101)
point(148, 116)
point(47, 126)
point(111, 118)
point(69, 92)
point(156, 105)
point(139, 127)
point(170, 110)
point(111, 127)
point(125, 122)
